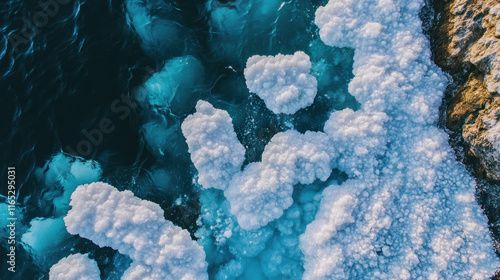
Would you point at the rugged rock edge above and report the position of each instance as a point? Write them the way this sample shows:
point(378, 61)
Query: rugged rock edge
point(465, 41)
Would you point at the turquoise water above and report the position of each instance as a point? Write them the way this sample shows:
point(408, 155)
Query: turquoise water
point(147, 153)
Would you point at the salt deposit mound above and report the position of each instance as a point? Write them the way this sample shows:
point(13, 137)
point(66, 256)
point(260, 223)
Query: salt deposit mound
point(138, 229)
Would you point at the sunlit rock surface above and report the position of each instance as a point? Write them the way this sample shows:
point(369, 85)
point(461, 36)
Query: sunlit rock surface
point(467, 43)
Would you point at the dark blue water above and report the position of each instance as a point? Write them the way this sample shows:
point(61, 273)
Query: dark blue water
point(83, 64)
point(59, 82)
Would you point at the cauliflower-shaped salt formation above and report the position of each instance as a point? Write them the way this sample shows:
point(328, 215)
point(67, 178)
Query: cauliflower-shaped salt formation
point(136, 228)
point(215, 150)
point(284, 82)
point(263, 190)
point(75, 267)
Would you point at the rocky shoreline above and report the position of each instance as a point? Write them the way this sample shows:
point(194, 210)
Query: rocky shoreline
point(465, 41)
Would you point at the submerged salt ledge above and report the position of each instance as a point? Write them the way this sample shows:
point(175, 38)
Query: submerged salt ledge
point(270, 252)
point(136, 228)
point(175, 86)
point(63, 173)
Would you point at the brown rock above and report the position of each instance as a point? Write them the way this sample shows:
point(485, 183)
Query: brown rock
point(467, 44)
point(482, 133)
point(467, 101)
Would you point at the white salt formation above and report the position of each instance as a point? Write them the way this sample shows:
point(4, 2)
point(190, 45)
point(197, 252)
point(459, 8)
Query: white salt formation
point(409, 210)
point(284, 82)
point(75, 267)
point(261, 192)
point(138, 229)
point(215, 150)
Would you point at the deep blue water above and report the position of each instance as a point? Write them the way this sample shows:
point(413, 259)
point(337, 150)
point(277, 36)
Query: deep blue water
point(65, 76)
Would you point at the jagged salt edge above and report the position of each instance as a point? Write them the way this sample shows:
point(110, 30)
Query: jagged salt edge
point(136, 228)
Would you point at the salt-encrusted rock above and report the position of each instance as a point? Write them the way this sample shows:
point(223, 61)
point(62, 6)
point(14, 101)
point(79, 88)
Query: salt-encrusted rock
point(483, 135)
point(468, 44)
point(471, 34)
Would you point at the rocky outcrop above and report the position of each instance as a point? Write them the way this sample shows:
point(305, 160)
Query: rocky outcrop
point(465, 40)
point(482, 133)
point(466, 43)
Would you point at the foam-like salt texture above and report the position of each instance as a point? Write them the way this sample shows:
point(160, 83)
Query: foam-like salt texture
point(75, 267)
point(409, 210)
point(138, 229)
point(284, 82)
point(215, 150)
point(259, 193)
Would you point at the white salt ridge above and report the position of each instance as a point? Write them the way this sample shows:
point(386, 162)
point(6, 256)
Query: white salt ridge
point(409, 210)
point(284, 82)
point(75, 267)
point(138, 229)
point(215, 150)
point(259, 193)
